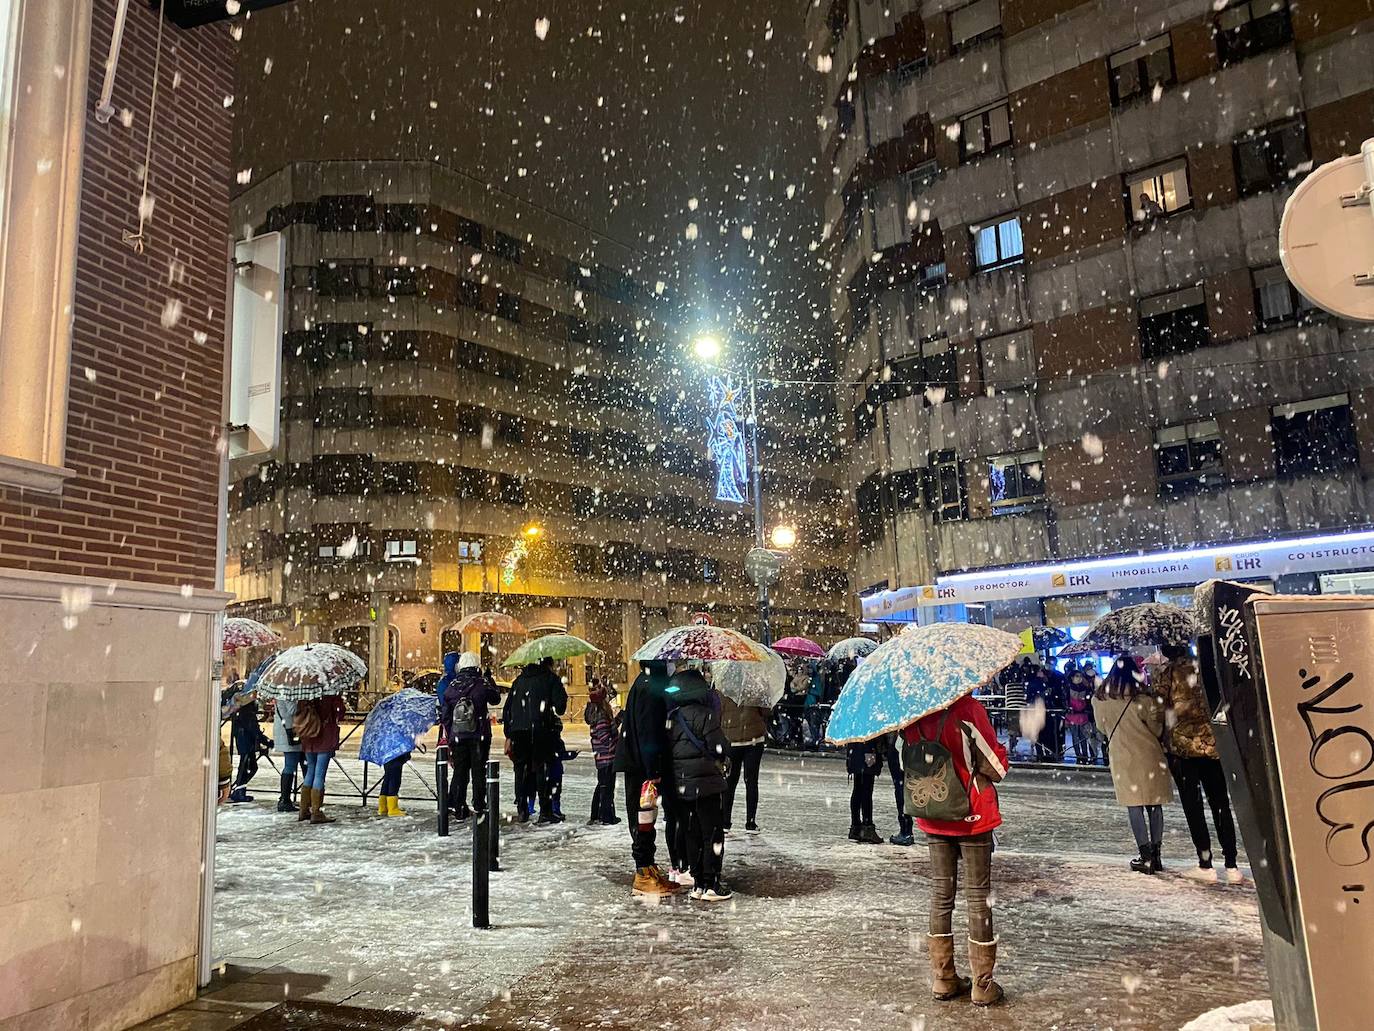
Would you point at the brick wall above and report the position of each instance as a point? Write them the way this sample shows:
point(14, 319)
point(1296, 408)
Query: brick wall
point(144, 399)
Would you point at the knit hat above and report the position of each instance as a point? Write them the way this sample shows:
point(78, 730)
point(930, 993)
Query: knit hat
point(469, 660)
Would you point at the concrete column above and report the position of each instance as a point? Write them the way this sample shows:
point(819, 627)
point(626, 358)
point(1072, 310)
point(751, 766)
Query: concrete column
point(631, 636)
point(471, 605)
point(577, 671)
point(377, 645)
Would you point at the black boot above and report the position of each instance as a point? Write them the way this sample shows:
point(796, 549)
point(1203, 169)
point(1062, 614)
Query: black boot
point(1145, 864)
point(1155, 865)
point(853, 832)
point(284, 803)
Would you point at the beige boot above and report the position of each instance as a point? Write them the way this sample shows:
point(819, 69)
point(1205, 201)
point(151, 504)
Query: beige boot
point(303, 806)
point(945, 982)
point(317, 810)
point(982, 956)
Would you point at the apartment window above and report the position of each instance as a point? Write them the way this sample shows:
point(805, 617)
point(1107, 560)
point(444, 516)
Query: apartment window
point(1135, 72)
point(1270, 158)
point(470, 552)
point(343, 409)
point(1016, 482)
point(907, 72)
point(578, 332)
point(998, 245)
point(344, 278)
point(341, 474)
point(974, 23)
point(710, 570)
point(580, 443)
point(505, 246)
point(469, 293)
point(1007, 360)
point(402, 551)
point(1159, 191)
point(400, 478)
point(468, 233)
point(985, 130)
point(508, 306)
point(1251, 27)
point(1173, 323)
point(352, 549)
point(868, 502)
point(948, 495)
point(919, 178)
point(906, 488)
point(397, 281)
point(865, 419)
point(1277, 301)
point(1188, 456)
point(1316, 436)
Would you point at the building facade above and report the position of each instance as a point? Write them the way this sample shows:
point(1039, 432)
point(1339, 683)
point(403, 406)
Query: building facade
point(112, 364)
point(484, 407)
point(1053, 237)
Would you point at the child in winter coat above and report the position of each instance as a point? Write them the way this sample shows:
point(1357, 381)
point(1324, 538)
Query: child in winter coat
point(700, 756)
point(605, 729)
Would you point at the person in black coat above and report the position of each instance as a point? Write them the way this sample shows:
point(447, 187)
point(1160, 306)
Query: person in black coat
point(249, 742)
point(543, 700)
point(464, 715)
point(643, 755)
point(517, 723)
point(701, 755)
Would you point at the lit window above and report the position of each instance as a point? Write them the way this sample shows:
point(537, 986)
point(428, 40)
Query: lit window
point(998, 245)
point(1137, 71)
point(470, 552)
point(1159, 191)
point(402, 551)
point(985, 130)
point(1188, 456)
point(1016, 482)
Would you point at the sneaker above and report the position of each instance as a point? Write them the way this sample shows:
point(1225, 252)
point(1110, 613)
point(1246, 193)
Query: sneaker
point(904, 840)
point(717, 892)
point(1234, 876)
point(751, 827)
point(685, 878)
point(696, 894)
point(1205, 874)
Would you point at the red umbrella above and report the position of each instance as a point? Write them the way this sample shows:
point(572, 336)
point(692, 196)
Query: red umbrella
point(799, 648)
point(242, 633)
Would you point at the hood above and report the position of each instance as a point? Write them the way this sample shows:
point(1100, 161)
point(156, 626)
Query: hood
point(469, 660)
point(687, 687)
point(450, 663)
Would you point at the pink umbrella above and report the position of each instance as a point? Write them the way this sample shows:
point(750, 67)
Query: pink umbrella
point(799, 648)
point(240, 633)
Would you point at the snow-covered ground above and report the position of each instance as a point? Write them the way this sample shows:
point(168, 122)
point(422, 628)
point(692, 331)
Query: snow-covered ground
point(822, 933)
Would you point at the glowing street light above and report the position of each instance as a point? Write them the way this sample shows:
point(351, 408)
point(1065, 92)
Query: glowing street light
point(533, 530)
point(707, 348)
point(784, 537)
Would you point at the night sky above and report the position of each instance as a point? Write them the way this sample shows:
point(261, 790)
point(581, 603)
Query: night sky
point(619, 117)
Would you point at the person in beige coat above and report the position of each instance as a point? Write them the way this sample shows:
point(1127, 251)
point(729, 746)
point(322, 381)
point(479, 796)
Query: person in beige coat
point(1132, 719)
point(745, 726)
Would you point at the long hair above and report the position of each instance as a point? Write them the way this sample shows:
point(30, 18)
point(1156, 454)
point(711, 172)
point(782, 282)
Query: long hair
point(1124, 681)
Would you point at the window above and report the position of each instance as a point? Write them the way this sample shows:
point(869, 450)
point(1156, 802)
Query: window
point(351, 549)
point(402, 551)
point(1188, 456)
point(907, 72)
point(868, 501)
point(469, 293)
point(710, 570)
point(1173, 323)
point(508, 306)
point(947, 495)
point(344, 278)
point(985, 130)
point(998, 245)
point(468, 233)
point(1270, 158)
point(1016, 482)
point(974, 23)
point(1007, 360)
point(580, 443)
point(905, 489)
point(578, 332)
point(470, 552)
point(920, 177)
point(865, 420)
point(1277, 301)
point(400, 478)
point(1159, 191)
point(1137, 71)
point(505, 246)
point(1316, 436)
point(397, 281)
point(341, 474)
point(1251, 27)
point(343, 409)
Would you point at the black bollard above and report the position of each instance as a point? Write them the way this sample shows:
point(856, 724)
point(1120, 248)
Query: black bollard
point(441, 788)
point(494, 809)
point(481, 846)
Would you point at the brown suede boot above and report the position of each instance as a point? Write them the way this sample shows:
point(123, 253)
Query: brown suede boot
point(317, 810)
point(982, 956)
point(945, 982)
point(304, 803)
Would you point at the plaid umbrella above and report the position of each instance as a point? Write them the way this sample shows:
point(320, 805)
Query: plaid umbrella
point(550, 646)
point(1136, 626)
point(705, 643)
point(311, 671)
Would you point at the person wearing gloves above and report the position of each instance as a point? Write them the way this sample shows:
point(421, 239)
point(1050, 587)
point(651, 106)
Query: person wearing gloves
point(467, 691)
point(701, 754)
point(745, 726)
point(952, 761)
point(285, 741)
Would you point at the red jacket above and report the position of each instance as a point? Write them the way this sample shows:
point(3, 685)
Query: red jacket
point(971, 740)
point(332, 711)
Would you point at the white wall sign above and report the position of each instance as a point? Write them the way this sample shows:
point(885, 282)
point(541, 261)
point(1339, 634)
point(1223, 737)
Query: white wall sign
point(255, 361)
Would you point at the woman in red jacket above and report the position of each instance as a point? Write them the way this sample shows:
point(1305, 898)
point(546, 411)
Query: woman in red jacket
point(317, 725)
point(980, 761)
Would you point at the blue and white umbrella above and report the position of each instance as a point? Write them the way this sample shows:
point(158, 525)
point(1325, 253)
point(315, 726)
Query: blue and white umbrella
point(922, 670)
point(395, 722)
point(851, 648)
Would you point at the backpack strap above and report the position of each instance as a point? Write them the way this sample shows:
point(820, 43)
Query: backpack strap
point(939, 731)
point(697, 742)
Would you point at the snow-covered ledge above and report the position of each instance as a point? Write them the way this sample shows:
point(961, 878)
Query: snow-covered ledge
point(93, 592)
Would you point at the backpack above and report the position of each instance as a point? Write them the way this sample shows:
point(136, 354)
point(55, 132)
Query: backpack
point(464, 718)
point(307, 723)
point(932, 785)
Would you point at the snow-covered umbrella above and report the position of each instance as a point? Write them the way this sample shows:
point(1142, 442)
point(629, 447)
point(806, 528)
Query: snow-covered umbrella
point(1136, 626)
point(311, 671)
point(851, 648)
point(922, 670)
point(550, 646)
point(702, 643)
point(240, 633)
point(490, 623)
point(751, 683)
point(395, 722)
point(799, 648)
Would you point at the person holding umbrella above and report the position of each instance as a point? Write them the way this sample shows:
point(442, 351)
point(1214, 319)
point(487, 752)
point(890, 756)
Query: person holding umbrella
point(643, 758)
point(748, 692)
point(701, 752)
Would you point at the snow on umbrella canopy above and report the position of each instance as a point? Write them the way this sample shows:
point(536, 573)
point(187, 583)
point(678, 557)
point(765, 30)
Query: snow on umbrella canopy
point(550, 646)
point(702, 643)
point(799, 648)
point(1136, 626)
point(395, 722)
point(751, 683)
point(851, 648)
point(490, 623)
point(922, 670)
point(311, 671)
point(240, 633)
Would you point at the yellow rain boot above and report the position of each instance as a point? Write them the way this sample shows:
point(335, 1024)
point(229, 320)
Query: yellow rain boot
point(381, 805)
point(393, 806)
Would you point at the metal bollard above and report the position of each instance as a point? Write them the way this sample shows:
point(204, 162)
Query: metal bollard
point(494, 810)
point(441, 788)
point(481, 846)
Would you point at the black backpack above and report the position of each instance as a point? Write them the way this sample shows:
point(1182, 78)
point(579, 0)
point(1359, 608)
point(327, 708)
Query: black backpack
point(931, 782)
point(464, 718)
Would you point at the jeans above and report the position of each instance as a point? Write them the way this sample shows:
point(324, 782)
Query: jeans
point(1151, 836)
point(861, 796)
point(706, 839)
point(894, 769)
point(745, 759)
point(1084, 743)
point(316, 766)
point(391, 775)
point(469, 761)
point(290, 763)
point(603, 798)
point(642, 840)
point(945, 853)
point(1194, 775)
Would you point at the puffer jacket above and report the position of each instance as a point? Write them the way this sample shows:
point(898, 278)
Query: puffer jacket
point(700, 748)
point(743, 724)
point(1190, 723)
point(481, 691)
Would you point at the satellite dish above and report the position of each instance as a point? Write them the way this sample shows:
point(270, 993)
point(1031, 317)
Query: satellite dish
point(1326, 238)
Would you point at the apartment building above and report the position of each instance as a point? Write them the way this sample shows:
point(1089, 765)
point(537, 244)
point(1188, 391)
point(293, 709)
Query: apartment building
point(1052, 229)
point(488, 406)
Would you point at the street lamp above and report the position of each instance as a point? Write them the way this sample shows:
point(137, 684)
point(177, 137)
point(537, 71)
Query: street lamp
point(783, 537)
point(707, 348)
point(533, 530)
